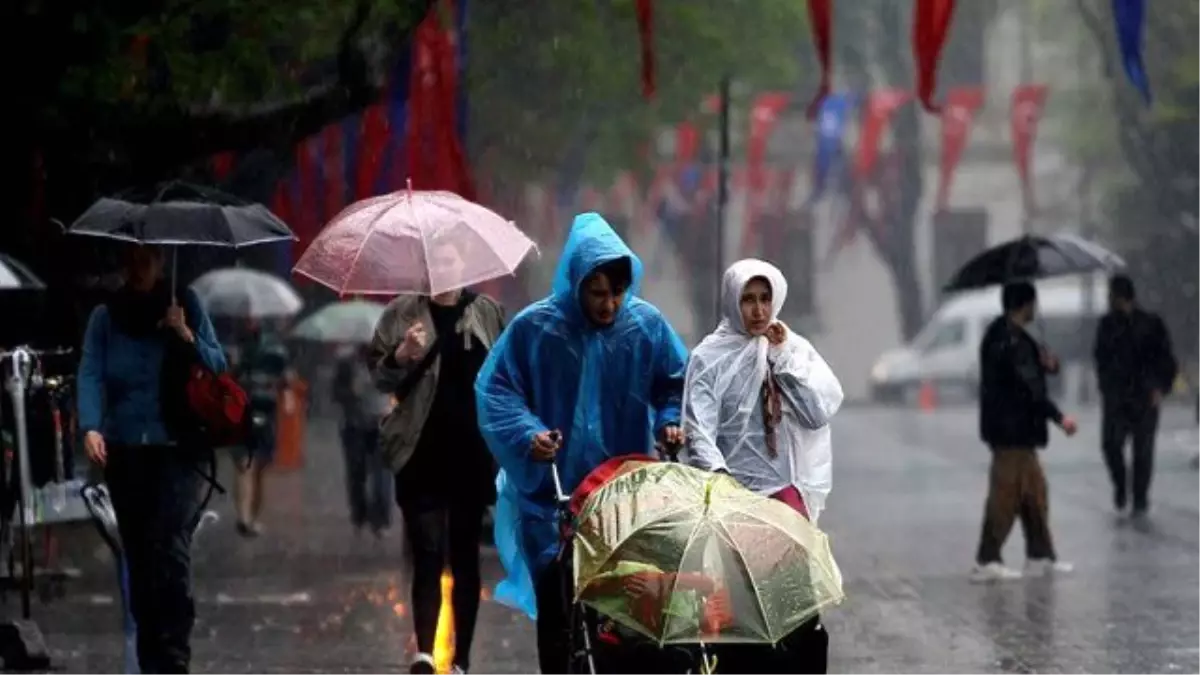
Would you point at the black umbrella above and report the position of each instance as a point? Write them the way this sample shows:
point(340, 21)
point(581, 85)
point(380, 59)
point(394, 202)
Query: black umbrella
point(181, 214)
point(15, 276)
point(1033, 257)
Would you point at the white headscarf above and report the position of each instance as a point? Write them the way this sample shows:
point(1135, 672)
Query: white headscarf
point(722, 406)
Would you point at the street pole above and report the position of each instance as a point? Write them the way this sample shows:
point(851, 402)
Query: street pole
point(722, 187)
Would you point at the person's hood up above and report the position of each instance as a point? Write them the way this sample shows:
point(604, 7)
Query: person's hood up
point(736, 277)
point(591, 243)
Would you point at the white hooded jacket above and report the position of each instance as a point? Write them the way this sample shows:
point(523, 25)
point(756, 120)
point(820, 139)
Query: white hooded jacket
point(722, 405)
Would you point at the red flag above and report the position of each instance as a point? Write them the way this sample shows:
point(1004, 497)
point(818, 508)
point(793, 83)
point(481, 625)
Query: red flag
point(306, 219)
point(820, 14)
point(333, 170)
point(961, 105)
point(645, 21)
point(931, 22)
point(763, 117)
point(373, 142)
point(436, 159)
point(687, 142)
point(222, 164)
point(878, 112)
point(1027, 103)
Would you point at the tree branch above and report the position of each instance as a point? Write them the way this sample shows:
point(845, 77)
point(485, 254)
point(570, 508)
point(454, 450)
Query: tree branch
point(177, 136)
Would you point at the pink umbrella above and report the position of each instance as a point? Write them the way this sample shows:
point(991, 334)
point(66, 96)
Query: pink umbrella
point(413, 242)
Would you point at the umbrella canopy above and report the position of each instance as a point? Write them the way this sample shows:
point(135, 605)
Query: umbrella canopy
point(15, 276)
point(413, 243)
point(245, 293)
point(1032, 257)
point(350, 322)
point(181, 214)
point(685, 556)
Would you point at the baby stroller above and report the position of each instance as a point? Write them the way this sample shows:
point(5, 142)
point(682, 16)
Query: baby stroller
point(597, 643)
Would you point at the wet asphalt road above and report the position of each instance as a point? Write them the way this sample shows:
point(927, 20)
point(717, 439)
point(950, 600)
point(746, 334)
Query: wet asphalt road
point(903, 518)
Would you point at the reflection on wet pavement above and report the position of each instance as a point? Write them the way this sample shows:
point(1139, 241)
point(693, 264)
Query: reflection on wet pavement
point(310, 596)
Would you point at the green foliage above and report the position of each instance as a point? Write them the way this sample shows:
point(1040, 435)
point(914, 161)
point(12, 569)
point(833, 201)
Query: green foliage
point(228, 51)
point(541, 73)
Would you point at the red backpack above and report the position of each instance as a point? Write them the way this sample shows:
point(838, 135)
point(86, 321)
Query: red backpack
point(219, 405)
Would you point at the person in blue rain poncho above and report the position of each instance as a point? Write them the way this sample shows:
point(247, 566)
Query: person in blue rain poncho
point(588, 373)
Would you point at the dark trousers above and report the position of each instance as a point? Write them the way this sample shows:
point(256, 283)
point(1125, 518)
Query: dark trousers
point(1016, 487)
point(1119, 424)
point(440, 534)
point(552, 588)
point(155, 495)
point(804, 650)
point(368, 481)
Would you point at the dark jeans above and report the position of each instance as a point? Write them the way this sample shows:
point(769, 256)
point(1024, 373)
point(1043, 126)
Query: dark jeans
point(155, 495)
point(368, 481)
point(1016, 487)
point(439, 534)
point(1120, 423)
point(554, 617)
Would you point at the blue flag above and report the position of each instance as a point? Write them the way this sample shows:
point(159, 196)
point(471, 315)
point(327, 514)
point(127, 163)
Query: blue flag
point(1130, 16)
point(836, 110)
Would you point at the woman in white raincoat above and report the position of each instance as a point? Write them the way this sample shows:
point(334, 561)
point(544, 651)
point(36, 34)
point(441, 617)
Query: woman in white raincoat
point(757, 404)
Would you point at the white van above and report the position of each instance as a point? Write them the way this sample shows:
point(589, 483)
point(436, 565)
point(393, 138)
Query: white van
point(945, 353)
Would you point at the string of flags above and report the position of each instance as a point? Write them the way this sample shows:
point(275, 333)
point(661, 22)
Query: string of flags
point(931, 26)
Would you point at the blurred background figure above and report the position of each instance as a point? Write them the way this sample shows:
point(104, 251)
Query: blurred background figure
point(264, 370)
point(1136, 368)
point(368, 479)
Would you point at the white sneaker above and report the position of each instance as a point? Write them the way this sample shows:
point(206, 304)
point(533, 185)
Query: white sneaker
point(1044, 567)
point(993, 571)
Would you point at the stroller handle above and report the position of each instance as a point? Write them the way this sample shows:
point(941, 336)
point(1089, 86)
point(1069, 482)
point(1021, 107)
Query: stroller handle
point(559, 495)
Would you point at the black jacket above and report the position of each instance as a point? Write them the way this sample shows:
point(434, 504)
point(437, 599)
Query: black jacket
point(1133, 357)
point(1014, 407)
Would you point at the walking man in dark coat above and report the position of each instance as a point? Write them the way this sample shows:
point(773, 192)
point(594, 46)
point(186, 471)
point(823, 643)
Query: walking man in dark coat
point(1136, 369)
point(1014, 412)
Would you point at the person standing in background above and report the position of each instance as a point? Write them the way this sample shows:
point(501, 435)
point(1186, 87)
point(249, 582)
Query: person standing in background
point(264, 370)
point(1014, 409)
point(368, 481)
point(1136, 369)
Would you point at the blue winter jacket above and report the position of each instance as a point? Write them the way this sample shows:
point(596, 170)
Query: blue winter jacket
point(118, 379)
point(608, 389)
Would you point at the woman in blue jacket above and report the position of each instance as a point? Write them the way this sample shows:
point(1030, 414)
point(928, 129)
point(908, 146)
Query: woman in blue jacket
point(136, 353)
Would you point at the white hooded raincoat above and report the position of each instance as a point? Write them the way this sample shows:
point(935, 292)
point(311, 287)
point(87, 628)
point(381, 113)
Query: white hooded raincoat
point(722, 407)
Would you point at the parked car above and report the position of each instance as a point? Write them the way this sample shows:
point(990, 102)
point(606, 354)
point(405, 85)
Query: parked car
point(945, 353)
